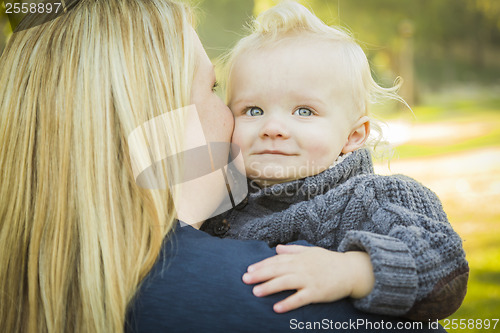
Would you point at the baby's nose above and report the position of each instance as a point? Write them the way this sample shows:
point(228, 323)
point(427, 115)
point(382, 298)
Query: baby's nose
point(274, 129)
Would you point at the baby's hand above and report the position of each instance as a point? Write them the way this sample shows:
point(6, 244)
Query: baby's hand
point(317, 274)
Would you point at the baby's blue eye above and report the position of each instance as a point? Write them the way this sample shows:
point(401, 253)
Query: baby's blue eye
point(303, 112)
point(254, 111)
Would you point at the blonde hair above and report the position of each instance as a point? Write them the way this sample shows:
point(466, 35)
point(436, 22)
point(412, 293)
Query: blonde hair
point(78, 235)
point(288, 20)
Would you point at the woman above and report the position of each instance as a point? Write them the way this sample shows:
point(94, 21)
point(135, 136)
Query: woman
point(78, 235)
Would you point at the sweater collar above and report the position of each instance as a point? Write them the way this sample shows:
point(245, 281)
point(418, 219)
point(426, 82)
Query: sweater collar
point(357, 163)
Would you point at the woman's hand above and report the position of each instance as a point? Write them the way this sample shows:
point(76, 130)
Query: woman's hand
point(318, 275)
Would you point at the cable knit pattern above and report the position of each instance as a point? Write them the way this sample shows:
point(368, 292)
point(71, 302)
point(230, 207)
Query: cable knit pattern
point(417, 257)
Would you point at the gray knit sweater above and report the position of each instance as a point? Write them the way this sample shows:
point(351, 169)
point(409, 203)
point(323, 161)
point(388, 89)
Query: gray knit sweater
point(418, 260)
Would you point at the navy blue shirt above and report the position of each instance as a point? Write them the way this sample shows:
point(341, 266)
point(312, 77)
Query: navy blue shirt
point(196, 286)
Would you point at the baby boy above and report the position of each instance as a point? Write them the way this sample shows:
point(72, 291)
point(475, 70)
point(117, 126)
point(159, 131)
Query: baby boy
point(299, 91)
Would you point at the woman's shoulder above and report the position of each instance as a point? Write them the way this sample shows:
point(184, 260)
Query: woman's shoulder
point(196, 284)
point(187, 246)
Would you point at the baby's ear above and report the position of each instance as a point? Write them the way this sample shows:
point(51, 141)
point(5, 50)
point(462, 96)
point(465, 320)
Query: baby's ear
point(358, 135)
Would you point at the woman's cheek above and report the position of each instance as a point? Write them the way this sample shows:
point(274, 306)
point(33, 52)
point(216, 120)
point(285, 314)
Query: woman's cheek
point(228, 127)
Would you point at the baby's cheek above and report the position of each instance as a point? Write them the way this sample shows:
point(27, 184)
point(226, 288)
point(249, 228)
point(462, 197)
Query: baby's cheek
point(236, 140)
point(238, 137)
point(323, 154)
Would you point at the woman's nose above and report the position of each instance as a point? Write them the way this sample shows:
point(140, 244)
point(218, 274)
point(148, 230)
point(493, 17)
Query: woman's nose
point(274, 129)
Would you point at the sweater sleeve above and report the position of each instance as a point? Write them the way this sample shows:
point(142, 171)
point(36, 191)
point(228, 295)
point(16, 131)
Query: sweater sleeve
point(418, 260)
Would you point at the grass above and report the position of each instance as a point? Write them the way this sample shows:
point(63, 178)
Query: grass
point(479, 228)
point(489, 139)
point(475, 215)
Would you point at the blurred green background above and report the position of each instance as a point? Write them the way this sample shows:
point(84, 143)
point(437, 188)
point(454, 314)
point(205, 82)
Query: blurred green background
point(448, 54)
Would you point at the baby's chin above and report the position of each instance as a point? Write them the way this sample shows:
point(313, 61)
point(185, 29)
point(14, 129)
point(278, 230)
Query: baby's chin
point(268, 182)
point(276, 175)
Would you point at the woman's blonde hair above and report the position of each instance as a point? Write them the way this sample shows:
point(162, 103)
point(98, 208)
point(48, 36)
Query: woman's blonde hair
point(289, 20)
point(77, 234)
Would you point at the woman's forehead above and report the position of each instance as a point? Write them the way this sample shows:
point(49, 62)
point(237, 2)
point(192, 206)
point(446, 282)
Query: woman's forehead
point(202, 61)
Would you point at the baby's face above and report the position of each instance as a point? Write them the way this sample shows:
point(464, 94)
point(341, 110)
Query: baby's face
point(293, 109)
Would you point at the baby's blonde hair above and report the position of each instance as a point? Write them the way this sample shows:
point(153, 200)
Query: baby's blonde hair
point(289, 20)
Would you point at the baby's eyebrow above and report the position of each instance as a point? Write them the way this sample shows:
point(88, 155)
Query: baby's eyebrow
point(238, 102)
